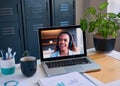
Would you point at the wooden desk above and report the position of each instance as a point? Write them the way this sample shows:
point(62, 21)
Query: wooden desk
point(110, 68)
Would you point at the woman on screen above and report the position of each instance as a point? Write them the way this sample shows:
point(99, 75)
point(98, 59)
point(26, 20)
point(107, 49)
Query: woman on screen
point(65, 45)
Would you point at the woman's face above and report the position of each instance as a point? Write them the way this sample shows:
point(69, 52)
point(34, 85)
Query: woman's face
point(64, 42)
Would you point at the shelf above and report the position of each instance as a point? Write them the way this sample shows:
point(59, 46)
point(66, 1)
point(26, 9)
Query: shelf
point(46, 44)
point(51, 37)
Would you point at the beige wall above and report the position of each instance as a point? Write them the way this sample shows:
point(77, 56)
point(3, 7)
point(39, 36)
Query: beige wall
point(79, 10)
point(81, 5)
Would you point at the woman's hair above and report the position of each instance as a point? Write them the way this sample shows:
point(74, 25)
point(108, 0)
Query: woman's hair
point(71, 46)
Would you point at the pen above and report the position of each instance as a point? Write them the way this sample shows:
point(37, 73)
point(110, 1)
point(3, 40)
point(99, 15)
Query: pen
point(14, 54)
point(3, 58)
point(7, 57)
point(9, 50)
point(9, 53)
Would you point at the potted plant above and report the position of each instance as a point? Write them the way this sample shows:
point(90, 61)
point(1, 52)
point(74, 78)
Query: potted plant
point(104, 26)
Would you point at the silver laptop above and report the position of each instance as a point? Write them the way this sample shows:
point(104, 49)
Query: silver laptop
point(52, 60)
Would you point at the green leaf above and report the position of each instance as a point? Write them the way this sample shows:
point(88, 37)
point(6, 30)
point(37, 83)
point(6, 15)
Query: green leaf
point(92, 10)
point(114, 34)
point(112, 15)
point(105, 33)
point(103, 21)
point(118, 15)
point(103, 5)
point(83, 24)
point(92, 26)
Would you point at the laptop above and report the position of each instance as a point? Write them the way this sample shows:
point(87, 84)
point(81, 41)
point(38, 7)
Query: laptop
point(59, 64)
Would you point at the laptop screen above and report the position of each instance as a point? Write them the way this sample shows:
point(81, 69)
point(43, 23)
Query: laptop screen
point(61, 42)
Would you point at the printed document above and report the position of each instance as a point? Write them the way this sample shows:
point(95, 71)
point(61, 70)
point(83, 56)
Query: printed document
point(69, 79)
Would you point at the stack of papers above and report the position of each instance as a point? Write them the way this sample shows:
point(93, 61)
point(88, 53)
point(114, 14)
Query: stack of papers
point(69, 79)
point(114, 54)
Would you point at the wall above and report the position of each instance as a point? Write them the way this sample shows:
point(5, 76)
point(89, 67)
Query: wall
point(79, 10)
point(114, 6)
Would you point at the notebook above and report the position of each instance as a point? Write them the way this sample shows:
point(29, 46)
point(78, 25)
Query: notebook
point(53, 41)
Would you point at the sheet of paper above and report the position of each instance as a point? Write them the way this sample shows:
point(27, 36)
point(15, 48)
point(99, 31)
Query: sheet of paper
point(114, 54)
point(114, 83)
point(70, 79)
point(96, 81)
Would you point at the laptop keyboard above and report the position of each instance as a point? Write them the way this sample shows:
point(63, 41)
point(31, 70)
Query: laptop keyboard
point(67, 62)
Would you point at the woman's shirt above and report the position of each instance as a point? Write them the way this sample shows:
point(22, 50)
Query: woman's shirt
point(57, 53)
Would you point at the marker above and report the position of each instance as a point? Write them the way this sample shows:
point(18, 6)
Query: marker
point(14, 54)
point(9, 52)
point(7, 57)
point(3, 58)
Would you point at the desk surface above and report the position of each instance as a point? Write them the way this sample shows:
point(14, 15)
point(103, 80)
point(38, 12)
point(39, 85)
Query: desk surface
point(110, 68)
point(110, 71)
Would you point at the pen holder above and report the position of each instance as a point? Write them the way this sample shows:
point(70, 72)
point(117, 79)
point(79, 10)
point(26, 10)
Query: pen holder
point(7, 66)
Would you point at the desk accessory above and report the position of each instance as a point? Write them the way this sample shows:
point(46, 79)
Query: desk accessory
point(7, 66)
point(7, 62)
point(11, 83)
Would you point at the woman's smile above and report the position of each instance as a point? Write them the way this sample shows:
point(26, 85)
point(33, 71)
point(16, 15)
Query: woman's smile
point(64, 42)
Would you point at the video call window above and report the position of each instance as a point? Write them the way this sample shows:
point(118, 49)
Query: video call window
point(50, 40)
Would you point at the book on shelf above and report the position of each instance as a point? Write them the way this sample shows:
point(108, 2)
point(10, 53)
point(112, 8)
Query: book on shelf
point(69, 79)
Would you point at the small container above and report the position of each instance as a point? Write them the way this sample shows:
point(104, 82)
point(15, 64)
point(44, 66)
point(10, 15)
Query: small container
point(7, 66)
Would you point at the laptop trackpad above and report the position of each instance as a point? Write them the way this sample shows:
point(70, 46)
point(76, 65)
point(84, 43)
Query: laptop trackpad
point(74, 68)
